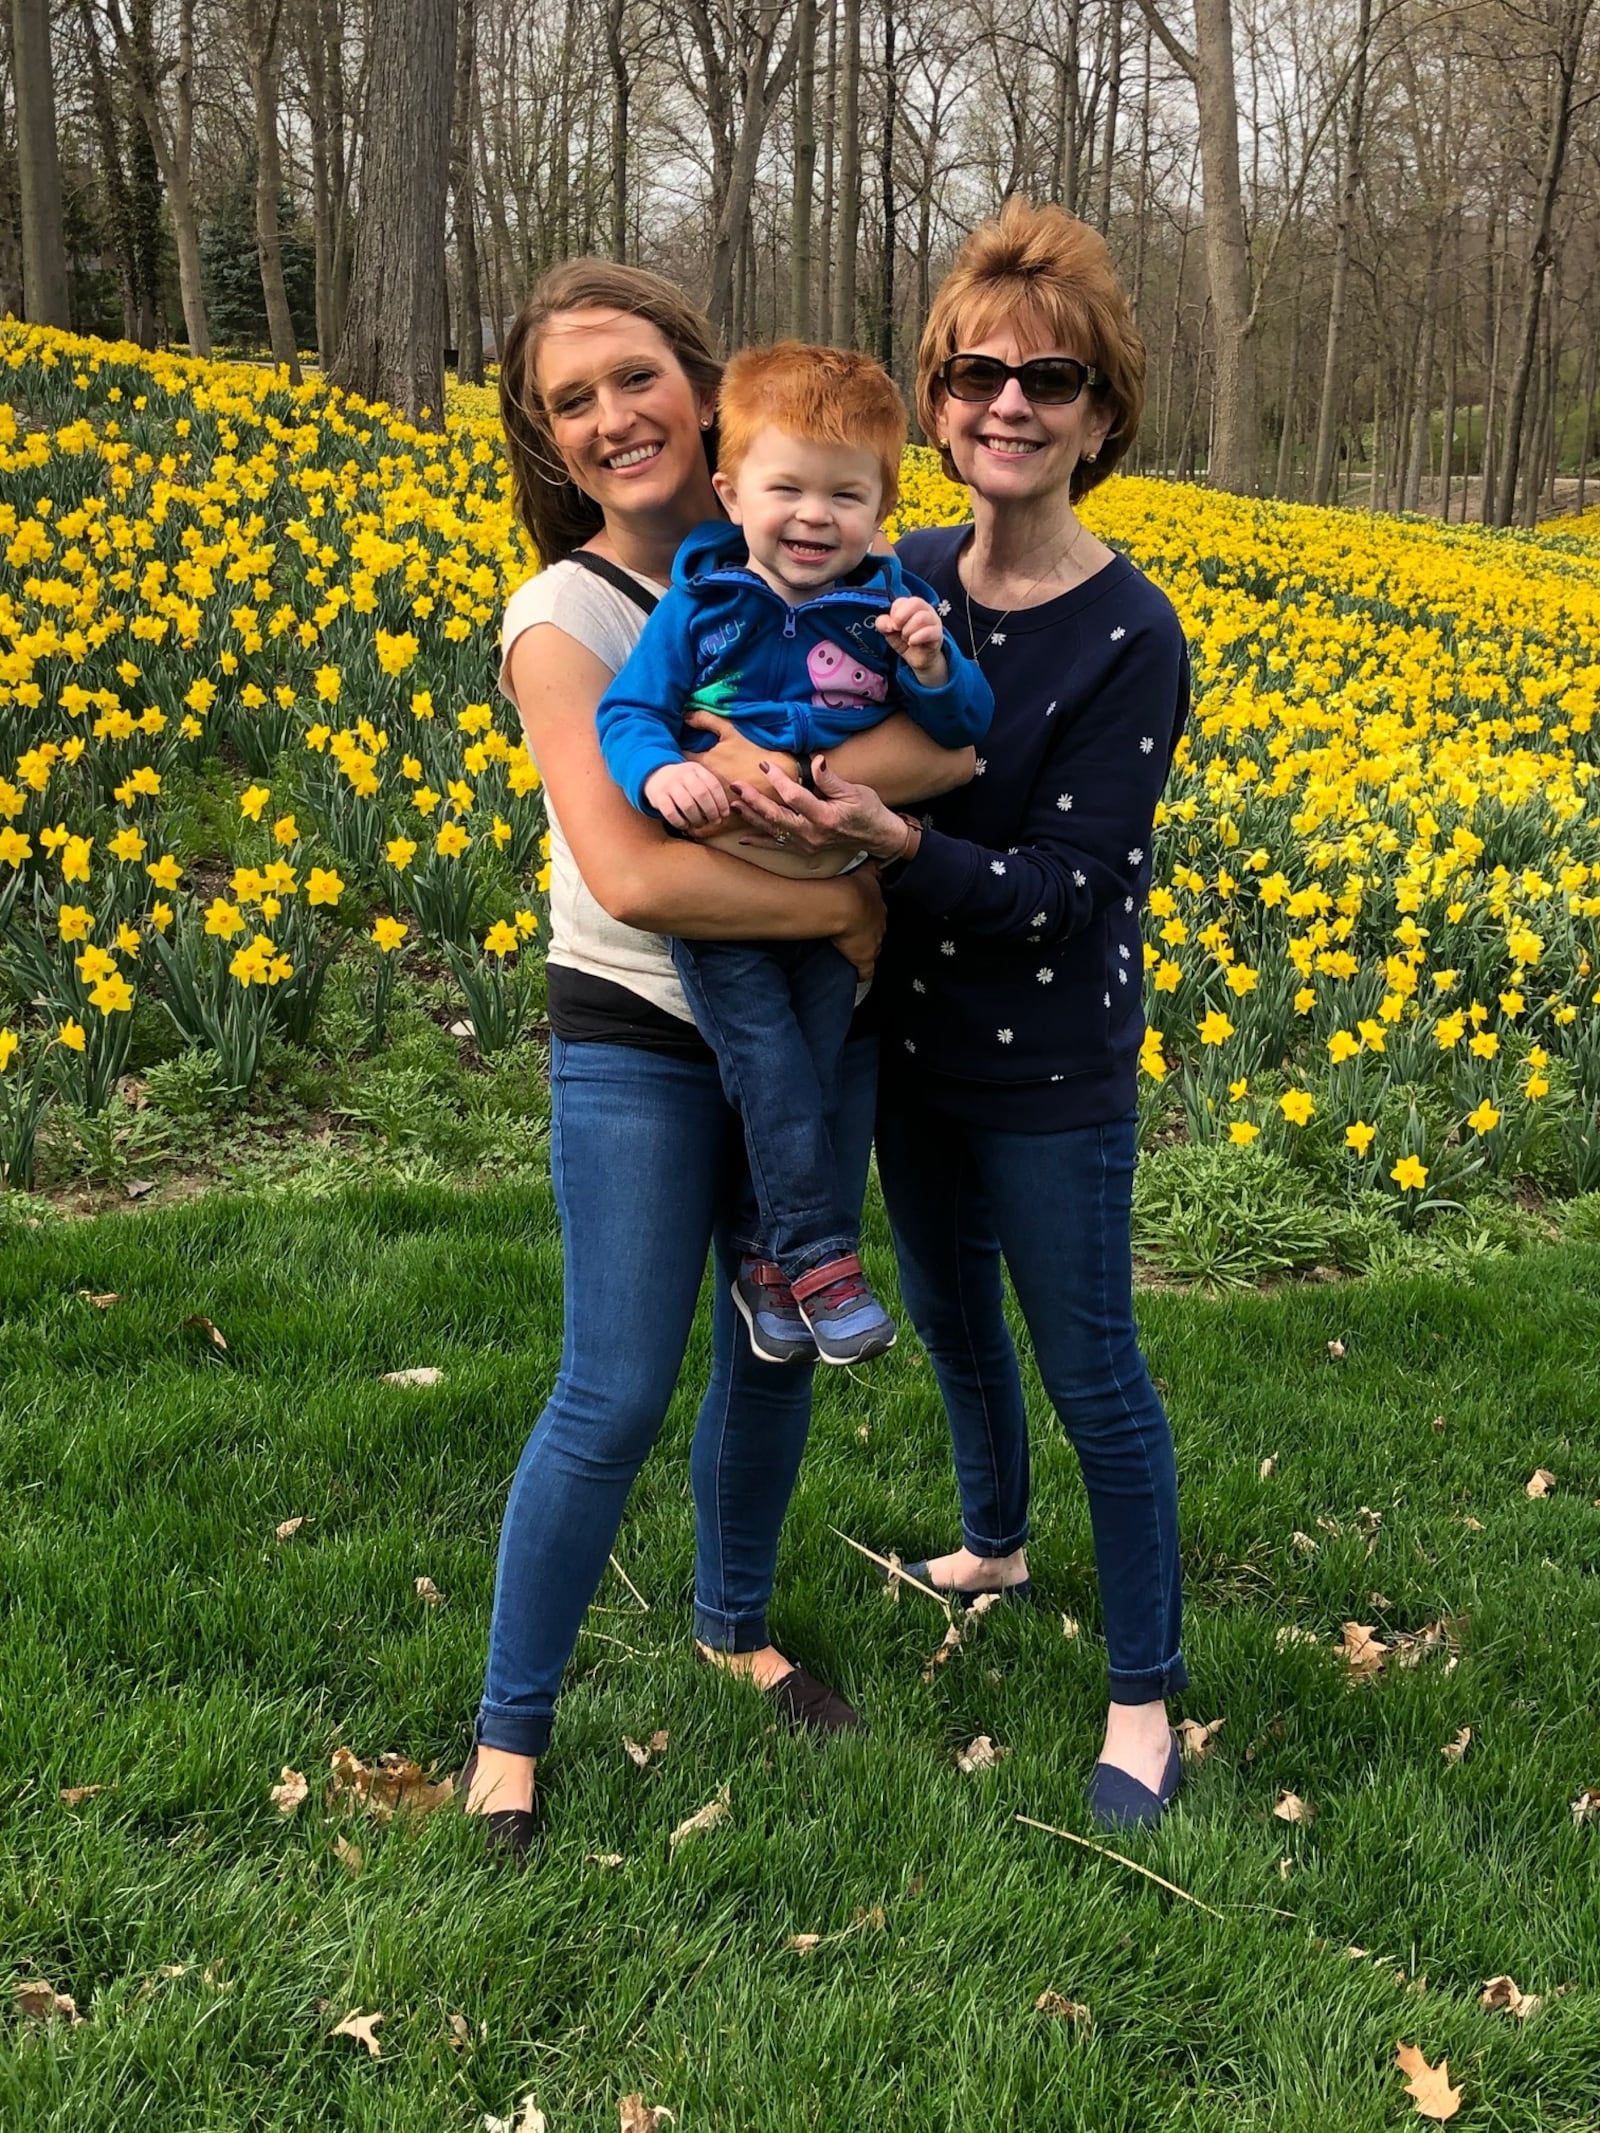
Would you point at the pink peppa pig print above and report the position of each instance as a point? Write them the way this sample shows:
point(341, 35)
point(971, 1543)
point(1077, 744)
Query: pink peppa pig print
point(839, 679)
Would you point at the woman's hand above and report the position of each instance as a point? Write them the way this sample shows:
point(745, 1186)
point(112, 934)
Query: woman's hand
point(733, 757)
point(863, 937)
point(837, 815)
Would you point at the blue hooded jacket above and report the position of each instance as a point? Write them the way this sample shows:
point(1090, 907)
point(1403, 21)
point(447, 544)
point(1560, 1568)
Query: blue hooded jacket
point(796, 678)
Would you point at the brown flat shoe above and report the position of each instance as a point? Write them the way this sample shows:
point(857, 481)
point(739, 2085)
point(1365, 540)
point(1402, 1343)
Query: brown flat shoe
point(809, 1706)
point(509, 1833)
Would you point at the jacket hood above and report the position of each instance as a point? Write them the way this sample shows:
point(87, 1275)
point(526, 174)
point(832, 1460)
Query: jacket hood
point(720, 545)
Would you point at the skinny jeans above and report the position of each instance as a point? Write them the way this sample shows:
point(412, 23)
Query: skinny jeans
point(1057, 1208)
point(648, 1170)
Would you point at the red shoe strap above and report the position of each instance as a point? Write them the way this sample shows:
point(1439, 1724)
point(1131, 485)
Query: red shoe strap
point(847, 1268)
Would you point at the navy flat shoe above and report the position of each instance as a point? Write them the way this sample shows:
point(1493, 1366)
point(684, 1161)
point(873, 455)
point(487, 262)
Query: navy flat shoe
point(1118, 1801)
point(1013, 1595)
point(509, 1833)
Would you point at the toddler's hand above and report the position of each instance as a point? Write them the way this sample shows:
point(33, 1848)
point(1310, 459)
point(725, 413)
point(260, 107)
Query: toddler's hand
point(687, 795)
point(914, 631)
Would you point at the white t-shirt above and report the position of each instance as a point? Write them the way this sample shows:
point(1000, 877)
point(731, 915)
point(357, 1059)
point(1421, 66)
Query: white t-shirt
point(582, 935)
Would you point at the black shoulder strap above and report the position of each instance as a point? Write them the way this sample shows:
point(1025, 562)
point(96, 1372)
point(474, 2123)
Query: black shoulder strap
point(620, 580)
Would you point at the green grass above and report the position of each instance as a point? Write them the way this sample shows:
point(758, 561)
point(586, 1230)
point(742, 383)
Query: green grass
point(157, 1640)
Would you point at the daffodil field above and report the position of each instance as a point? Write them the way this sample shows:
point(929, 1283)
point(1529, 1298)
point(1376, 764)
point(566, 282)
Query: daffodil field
point(249, 730)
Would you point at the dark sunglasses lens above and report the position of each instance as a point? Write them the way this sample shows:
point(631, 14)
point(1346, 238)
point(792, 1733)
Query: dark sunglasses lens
point(1052, 381)
point(975, 378)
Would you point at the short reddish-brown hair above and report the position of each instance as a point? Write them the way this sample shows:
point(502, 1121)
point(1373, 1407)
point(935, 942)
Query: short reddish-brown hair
point(821, 395)
point(1044, 272)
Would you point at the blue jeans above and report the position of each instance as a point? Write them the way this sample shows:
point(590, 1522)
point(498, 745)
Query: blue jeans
point(777, 1014)
point(645, 1161)
point(1059, 1208)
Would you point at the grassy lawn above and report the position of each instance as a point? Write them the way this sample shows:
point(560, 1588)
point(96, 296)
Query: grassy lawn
point(158, 1641)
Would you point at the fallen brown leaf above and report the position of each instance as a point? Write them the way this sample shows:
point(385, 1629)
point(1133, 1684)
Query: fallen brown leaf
point(1440, 1425)
point(460, 2033)
point(952, 1643)
point(704, 1818)
point(461, 1029)
point(424, 1374)
point(1473, 1525)
point(1454, 1750)
point(1302, 1543)
point(101, 1302)
point(1501, 1992)
point(981, 1754)
point(1429, 2086)
point(361, 2027)
point(1586, 1807)
point(803, 1943)
point(391, 1784)
point(203, 1325)
point(136, 1188)
point(1071, 1627)
point(428, 1592)
point(1194, 1739)
point(1291, 1808)
point(1540, 1482)
point(75, 1795)
point(1292, 1633)
point(1363, 1650)
point(290, 1791)
point(1411, 1647)
point(1269, 1466)
point(1336, 1350)
point(641, 2117)
point(655, 1746)
point(350, 1856)
point(42, 2003)
point(529, 2119)
point(608, 1859)
point(288, 1529)
point(1285, 1867)
point(1055, 2003)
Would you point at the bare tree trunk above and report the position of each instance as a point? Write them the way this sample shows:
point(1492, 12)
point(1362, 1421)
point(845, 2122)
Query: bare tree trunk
point(621, 93)
point(119, 199)
point(464, 196)
point(44, 244)
point(1422, 390)
point(886, 178)
point(174, 154)
point(1447, 436)
point(144, 188)
point(1067, 145)
point(844, 271)
point(1282, 479)
point(1495, 285)
point(805, 170)
point(1586, 433)
point(1349, 191)
point(393, 343)
point(1113, 111)
point(830, 143)
point(1141, 237)
point(1574, 22)
point(262, 24)
point(765, 82)
point(1238, 405)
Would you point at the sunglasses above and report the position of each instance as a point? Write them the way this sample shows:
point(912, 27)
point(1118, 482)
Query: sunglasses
point(1048, 381)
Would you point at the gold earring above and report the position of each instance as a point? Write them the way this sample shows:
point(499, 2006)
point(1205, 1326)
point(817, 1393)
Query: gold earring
point(1089, 458)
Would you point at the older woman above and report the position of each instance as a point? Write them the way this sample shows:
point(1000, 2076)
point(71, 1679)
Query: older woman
point(608, 392)
point(1011, 976)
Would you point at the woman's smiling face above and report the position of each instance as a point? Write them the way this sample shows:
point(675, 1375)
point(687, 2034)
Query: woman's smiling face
point(1008, 450)
point(623, 413)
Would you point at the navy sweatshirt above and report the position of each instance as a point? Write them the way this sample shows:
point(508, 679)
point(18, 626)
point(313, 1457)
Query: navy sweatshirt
point(1009, 989)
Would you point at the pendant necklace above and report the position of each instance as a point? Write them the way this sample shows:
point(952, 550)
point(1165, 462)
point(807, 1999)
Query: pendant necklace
point(997, 634)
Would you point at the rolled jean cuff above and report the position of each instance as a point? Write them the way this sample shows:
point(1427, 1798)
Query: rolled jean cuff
point(730, 1633)
point(1153, 1684)
point(513, 1728)
point(980, 1543)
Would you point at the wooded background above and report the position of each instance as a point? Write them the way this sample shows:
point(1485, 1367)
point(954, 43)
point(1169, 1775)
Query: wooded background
point(1362, 237)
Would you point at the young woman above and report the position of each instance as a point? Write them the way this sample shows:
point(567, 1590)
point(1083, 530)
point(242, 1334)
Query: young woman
point(1011, 980)
point(608, 393)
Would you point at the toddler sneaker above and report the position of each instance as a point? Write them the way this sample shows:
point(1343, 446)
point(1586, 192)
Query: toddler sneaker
point(847, 1322)
point(765, 1301)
